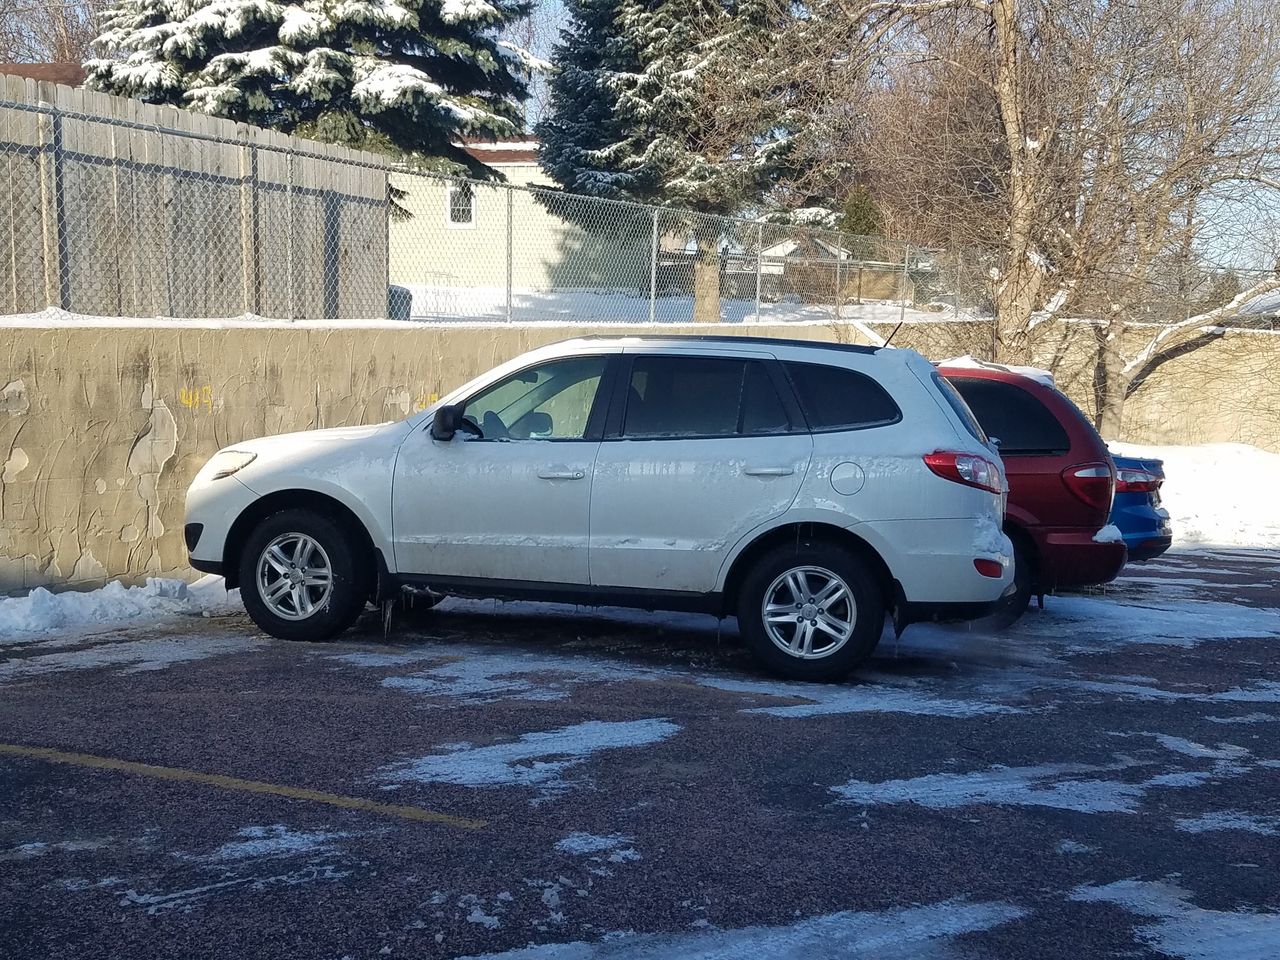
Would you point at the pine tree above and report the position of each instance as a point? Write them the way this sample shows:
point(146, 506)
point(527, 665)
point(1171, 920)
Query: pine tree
point(660, 101)
point(409, 77)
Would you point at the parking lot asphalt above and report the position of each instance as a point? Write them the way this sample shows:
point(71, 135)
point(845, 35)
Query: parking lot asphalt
point(530, 781)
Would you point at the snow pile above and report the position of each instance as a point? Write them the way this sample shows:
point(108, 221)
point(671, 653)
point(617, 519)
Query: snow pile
point(41, 612)
point(1217, 494)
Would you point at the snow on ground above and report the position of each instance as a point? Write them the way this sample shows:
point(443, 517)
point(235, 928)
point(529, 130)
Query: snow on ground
point(1079, 787)
point(487, 306)
point(1217, 494)
point(534, 759)
point(1178, 928)
point(921, 931)
point(41, 613)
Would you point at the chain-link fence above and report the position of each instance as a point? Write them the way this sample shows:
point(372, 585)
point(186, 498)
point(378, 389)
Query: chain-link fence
point(120, 209)
point(113, 208)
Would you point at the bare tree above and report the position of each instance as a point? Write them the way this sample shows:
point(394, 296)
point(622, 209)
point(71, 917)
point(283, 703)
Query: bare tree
point(47, 31)
point(1086, 154)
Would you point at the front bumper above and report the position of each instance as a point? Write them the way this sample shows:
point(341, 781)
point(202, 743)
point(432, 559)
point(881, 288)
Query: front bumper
point(213, 506)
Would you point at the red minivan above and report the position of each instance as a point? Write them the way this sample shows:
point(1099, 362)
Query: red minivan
point(1061, 480)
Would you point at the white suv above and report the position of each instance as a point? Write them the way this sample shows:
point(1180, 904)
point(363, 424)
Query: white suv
point(805, 487)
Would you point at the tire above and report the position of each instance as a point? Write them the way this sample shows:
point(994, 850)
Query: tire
point(302, 611)
point(1011, 611)
point(773, 578)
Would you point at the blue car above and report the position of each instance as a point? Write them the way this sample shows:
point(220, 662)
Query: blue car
point(1136, 509)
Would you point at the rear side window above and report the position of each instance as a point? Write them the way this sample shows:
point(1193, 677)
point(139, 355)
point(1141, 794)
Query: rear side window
point(1014, 416)
point(701, 397)
point(952, 396)
point(834, 398)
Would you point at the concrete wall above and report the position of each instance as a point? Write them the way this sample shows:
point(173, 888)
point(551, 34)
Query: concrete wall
point(102, 428)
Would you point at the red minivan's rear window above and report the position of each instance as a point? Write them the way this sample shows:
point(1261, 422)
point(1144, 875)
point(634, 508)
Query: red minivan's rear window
point(1016, 417)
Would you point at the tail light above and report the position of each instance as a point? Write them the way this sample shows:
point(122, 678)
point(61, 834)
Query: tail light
point(989, 568)
point(1092, 483)
point(966, 468)
point(1137, 481)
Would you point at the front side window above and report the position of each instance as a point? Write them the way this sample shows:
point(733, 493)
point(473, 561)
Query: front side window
point(551, 401)
point(1023, 425)
point(835, 398)
point(461, 200)
point(671, 397)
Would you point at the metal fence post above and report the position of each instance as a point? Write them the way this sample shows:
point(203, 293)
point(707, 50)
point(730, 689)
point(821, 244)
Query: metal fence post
point(653, 268)
point(841, 253)
point(906, 259)
point(57, 274)
point(759, 264)
point(292, 221)
point(510, 250)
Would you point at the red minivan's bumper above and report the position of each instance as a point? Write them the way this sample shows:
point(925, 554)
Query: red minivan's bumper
point(1069, 557)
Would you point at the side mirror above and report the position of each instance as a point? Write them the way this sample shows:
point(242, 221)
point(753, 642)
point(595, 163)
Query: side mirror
point(446, 422)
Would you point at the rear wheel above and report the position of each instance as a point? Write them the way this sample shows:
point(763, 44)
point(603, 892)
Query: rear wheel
point(812, 612)
point(299, 577)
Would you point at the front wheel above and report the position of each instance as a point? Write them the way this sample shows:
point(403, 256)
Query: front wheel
point(299, 578)
point(810, 612)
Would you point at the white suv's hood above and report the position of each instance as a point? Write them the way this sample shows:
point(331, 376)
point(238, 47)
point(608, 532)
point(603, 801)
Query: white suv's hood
point(290, 444)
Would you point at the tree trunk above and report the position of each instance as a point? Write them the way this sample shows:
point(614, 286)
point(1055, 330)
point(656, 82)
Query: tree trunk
point(1017, 289)
point(706, 281)
point(1110, 384)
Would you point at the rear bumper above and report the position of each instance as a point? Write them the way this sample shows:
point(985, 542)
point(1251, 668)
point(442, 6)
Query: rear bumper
point(1146, 547)
point(908, 613)
point(1071, 558)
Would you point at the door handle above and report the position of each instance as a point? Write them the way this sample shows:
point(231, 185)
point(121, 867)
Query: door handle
point(768, 471)
point(560, 474)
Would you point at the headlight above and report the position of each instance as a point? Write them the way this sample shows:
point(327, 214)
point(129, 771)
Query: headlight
point(227, 462)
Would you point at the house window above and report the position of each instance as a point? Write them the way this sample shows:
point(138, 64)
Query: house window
point(461, 210)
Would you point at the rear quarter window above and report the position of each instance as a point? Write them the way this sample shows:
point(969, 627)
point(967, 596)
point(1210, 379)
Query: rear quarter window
point(834, 398)
point(1014, 416)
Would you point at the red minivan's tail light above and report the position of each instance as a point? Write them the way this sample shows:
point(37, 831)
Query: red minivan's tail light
point(1092, 483)
point(966, 468)
point(1137, 481)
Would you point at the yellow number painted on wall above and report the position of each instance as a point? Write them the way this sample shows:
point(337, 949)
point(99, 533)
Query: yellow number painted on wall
point(425, 399)
point(193, 398)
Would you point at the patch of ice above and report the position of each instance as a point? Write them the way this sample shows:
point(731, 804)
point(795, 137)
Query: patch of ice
point(1268, 826)
point(1055, 785)
point(584, 843)
point(900, 932)
point(862, 698)
point(275, 840)
point(1181, 929)
point(535, 759)
point(1047, 785)
point(133, 656)
point(1073, 846)
point(1189, 748)
point(1247, 718)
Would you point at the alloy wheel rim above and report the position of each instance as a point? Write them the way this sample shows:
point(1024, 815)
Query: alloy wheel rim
point(295, 577)
point(809, 612)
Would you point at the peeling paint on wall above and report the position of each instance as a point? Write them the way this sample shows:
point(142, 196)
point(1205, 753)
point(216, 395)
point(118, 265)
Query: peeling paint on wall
point(13, 398)
point(17, 462)
point(151, 451)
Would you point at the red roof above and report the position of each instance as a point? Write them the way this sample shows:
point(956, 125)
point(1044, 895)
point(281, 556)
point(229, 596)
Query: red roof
point(502, 150)
point(71, 74)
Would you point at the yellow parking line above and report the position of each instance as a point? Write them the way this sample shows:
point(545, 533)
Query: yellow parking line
point(236, 783)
